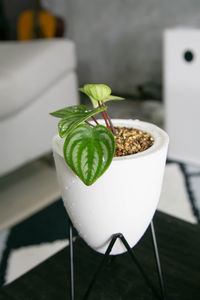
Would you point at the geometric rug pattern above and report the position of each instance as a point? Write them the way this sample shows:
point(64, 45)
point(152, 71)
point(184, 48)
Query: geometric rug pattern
point(191, 175)
point(49, 226)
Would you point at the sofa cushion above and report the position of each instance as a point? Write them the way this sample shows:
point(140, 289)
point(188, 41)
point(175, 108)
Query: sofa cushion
point(29, 68)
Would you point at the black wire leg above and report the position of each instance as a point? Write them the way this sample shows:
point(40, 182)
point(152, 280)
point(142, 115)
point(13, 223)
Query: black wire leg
point(105, 258)
point(132, 255)
point(71, 260)
point(158, 264)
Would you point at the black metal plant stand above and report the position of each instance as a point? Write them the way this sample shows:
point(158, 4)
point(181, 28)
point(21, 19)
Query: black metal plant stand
point(120, 236)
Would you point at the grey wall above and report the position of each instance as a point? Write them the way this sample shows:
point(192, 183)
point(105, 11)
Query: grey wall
point(119, 42)
point(57, 7)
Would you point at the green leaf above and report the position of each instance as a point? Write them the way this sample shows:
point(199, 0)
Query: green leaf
point(89, 151)
point(96, 92)
point(72, 120)
point(112, 97)
point(61, 113)
point(94, 102)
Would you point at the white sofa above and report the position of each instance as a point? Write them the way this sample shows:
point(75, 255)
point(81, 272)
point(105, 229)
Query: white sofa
point(36, 78)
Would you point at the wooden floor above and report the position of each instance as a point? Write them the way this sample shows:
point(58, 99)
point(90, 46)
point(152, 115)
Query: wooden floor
point(179, 245)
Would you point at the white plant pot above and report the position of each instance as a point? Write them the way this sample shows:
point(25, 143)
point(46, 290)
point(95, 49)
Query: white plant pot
point(123, 199)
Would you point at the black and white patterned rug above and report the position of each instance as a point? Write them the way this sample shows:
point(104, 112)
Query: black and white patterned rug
point(30, 242)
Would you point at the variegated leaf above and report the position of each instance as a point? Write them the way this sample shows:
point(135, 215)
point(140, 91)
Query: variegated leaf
point(89, 151)
point(72, 120)
point(62, 113)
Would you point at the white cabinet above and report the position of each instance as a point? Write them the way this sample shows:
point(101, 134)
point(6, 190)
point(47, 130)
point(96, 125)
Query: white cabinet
point(182, 93)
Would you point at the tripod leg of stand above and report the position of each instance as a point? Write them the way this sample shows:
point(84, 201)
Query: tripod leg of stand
point(71, 261)
point(157, 258)
point(106, 257)
point(130, 251)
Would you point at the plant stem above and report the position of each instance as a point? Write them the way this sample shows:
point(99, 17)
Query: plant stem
point(94, 119)
point(104, 116)
point(89, 123)
point(109, 120)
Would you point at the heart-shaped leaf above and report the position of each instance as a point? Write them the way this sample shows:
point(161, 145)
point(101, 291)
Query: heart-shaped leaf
point(72, 120)
point(89, 151)
point(62, 113)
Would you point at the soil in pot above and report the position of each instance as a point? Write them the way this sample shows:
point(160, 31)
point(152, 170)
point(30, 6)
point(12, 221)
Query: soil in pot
point(131, 141)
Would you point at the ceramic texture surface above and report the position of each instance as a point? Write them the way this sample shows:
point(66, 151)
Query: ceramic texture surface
point(123, 199)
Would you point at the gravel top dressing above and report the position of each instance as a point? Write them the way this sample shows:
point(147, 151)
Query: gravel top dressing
point(130, 141)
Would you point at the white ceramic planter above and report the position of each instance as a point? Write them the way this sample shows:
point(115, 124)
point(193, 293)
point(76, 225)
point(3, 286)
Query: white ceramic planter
point(123, 199)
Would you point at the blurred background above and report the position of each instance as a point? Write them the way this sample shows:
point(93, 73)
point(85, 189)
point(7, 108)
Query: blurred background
point(146, 51)
point(117, 42)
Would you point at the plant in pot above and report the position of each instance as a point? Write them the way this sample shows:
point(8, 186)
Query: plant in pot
point(110, 171)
